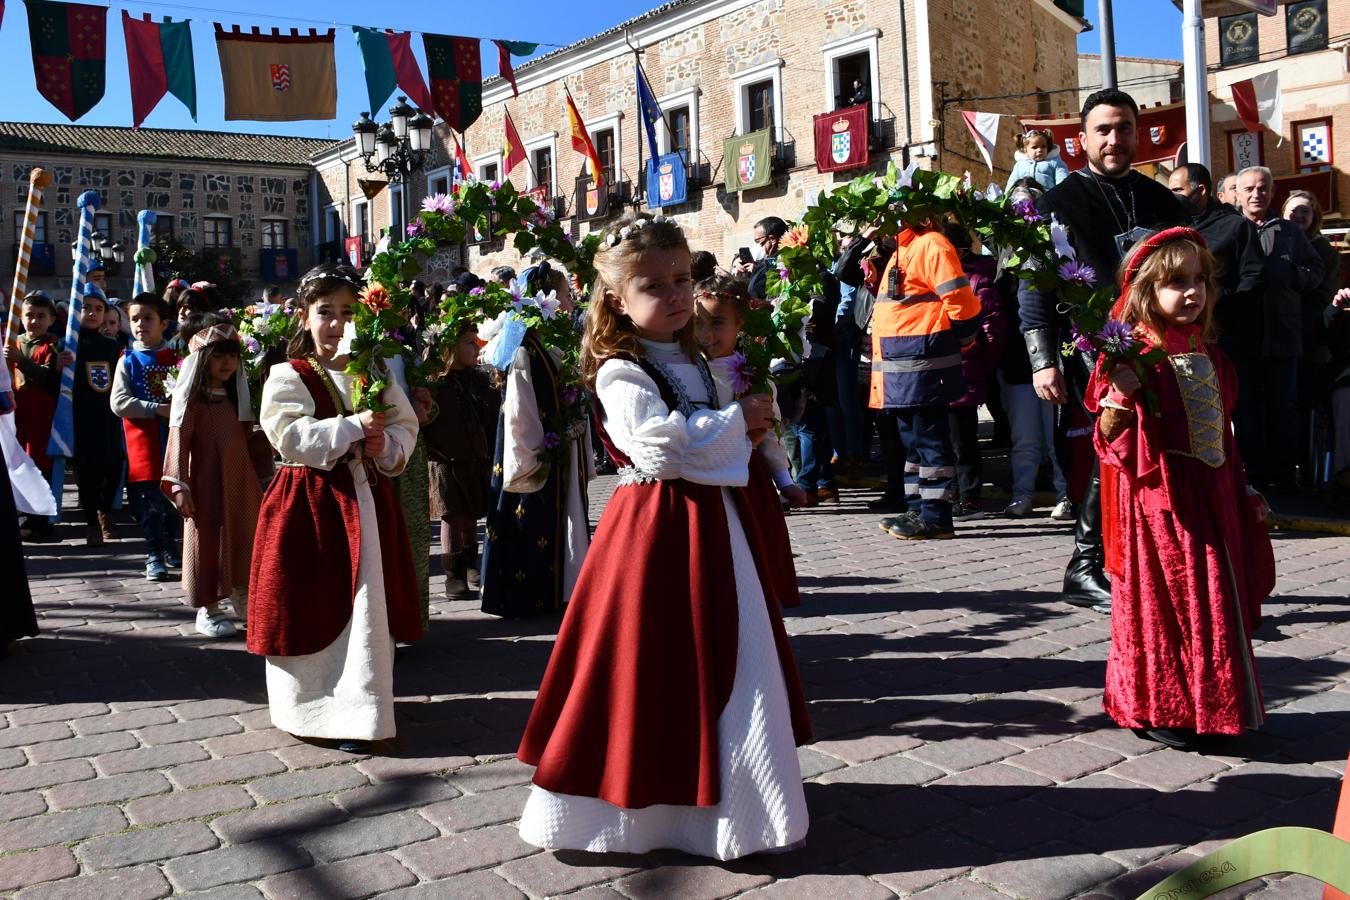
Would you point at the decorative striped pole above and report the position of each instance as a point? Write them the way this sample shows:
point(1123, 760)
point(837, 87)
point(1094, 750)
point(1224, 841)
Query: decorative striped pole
point(144, 279)
point(12, 326)
point(62, 443)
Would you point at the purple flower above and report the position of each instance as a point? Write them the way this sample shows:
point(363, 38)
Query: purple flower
point(251, 345)
point(415, 228)
point(570, 395)
point(496, 185)
point(476, 292)
point(1080, 340)
point(738, 373)
point(551, 440)
point(1027, 210)
point(1078, 273)
point(1116, 337)
point(782, 273)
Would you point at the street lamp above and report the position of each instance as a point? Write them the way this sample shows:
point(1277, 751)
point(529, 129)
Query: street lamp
point(397, 148)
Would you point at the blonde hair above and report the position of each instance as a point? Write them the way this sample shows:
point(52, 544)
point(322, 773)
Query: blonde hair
point(609, 333)
point(1312, 201)
point(1158, 268)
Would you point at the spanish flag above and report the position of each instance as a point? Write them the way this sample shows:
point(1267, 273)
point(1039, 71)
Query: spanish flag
point(513, 148)
point(582, 143)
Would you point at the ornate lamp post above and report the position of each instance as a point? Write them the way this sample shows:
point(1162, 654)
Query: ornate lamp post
point(397, 148)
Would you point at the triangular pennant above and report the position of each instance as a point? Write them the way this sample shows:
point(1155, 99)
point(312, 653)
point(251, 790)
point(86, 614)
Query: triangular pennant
point(984, 129)
point(159, 61)
point(505, 50)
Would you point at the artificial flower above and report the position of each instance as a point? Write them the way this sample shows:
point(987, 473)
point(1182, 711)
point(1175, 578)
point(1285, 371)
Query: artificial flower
point(1080, 340)
point(797, 236)
point(344, 347)
point(439, 203)
point(551, 440)
point(376, 298)
point(738, 373)
point(1078, 273)
point(1116, 337)
point(548, 304)
point(1027, 210)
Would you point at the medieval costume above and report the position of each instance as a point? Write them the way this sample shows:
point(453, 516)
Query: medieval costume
point(208, 456)
point(671, 707)
point(538, 533)
point(769, 473)
point(412, 487)
point(17, 616)
point(331, 587)
point(37, 384)
point(1190, 563)
point(99, 454)
point(141, 386)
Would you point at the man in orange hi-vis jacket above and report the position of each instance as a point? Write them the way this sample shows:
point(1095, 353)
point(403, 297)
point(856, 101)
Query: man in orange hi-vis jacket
point(925, 316)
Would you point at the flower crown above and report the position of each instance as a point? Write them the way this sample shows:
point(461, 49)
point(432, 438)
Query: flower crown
point(316, 276)
point(614, 238)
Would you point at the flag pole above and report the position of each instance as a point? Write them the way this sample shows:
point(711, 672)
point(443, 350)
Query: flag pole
point(640, 193)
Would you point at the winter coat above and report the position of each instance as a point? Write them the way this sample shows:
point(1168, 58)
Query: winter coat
point(983, 358)
point(1239, 266)
point(1293, 272)
point(1048, 172)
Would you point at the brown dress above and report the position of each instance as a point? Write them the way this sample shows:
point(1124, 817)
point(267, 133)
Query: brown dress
point(209, 454)
point(459, 444)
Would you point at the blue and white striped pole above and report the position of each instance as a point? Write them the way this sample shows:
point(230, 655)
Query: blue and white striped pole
point(62, 443)
point(144, 279)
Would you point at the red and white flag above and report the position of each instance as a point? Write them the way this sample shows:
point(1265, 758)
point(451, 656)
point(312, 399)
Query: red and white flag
point(984, 129)
point(1258, 103)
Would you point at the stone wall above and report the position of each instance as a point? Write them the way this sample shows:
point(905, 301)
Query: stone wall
point(188, 192)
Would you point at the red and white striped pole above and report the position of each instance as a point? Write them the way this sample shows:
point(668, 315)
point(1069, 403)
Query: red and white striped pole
point(12, 326)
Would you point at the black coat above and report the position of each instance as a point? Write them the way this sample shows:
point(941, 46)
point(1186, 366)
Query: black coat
point(1240, 269)
point(1294, 272)
point(1095, 210)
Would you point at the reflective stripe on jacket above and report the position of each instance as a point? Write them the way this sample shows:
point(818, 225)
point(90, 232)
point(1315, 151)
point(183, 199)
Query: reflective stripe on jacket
point(918, 330)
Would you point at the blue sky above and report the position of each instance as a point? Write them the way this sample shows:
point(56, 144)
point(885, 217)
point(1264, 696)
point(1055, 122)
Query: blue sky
point(1143, 28)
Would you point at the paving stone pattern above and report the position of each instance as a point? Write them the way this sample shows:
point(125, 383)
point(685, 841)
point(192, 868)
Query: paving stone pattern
point(961, 749)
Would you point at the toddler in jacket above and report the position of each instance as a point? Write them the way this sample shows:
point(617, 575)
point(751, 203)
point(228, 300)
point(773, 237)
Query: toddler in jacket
point(1038, 157)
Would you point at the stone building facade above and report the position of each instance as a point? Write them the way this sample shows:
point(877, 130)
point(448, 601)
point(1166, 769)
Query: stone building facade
point(218, 193)
point(715, 65)
point(1151, 82)
point(1315, 90)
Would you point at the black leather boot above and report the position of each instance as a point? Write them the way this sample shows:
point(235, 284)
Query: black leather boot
point(1085, 582)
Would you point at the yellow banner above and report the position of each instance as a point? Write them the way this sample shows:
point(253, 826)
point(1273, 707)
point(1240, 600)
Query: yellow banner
point(277, 77)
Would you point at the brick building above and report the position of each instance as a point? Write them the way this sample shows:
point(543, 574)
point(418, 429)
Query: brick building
point(722, 68)
point(1314, 87)
point(245, 197)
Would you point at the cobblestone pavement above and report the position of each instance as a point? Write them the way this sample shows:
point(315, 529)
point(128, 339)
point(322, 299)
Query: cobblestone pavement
point(961, 748)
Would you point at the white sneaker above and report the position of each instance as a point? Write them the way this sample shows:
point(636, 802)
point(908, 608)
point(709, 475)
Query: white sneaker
point(1064, 511)
point(214, 626)
point(1018, 509)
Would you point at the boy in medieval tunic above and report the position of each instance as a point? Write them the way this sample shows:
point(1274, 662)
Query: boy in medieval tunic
point(140, 395)
point(98, 430)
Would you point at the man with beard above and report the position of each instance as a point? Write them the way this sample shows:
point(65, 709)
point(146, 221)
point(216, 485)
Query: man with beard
point(1107, 207)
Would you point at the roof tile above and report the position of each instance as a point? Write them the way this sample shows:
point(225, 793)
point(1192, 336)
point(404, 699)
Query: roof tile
point(165, 143)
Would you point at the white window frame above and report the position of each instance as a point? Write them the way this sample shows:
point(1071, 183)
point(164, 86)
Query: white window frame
point(482, 162)
point(330, 234)
point(614, 121)
point(869, 42)
point(549, 140)
point(360, 216)
point(741, 81)
point(285, 233)
point(434, 175)
point(687, 98)
point(397, 229)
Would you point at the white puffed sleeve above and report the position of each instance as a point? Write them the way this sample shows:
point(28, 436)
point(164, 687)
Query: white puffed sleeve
point(400, 431)
point(288, 420)
point(708, 447)
point(522, 470)
point(771, 448)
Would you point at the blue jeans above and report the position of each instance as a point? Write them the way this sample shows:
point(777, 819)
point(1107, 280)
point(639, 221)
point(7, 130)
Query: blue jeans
point(846, 415)
point(813, 439)
point(930, 462)
point(156, 516)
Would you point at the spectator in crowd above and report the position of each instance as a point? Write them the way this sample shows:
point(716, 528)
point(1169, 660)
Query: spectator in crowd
point(1226, 191)
point(1338, 340)
point(1266, 350)
point(503, 275)
point(1107, 207)
point(702, 266)
point(764, 251)
point(1232, 241)
point(963, 417)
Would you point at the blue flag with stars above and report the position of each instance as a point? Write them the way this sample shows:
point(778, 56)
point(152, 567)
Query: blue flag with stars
point(651, 112)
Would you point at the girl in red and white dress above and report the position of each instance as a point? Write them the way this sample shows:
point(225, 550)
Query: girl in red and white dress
point(332, 585)
point(671, 708)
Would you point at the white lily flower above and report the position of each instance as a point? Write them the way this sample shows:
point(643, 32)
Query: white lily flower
point(344, 347)
point(1059, 235)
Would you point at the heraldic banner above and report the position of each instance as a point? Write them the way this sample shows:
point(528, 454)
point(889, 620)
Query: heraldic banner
point(665, 181)
point(1162, 131)
point(841, 139)
point(747, 159)
point(277, 77)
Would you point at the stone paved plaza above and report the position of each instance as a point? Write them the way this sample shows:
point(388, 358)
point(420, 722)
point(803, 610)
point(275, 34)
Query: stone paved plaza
point(961, 748)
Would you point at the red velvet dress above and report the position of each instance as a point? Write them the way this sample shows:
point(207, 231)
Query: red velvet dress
point(1190, 564)
point(647, 659)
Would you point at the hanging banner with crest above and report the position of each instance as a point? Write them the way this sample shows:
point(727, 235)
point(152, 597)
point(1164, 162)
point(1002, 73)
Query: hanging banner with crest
point(748, 160)
point(666, 185)
point(841, 139)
